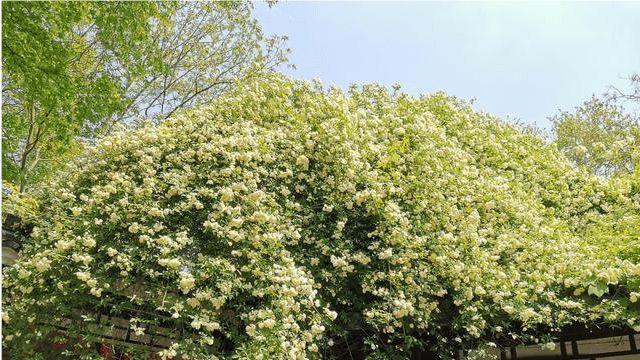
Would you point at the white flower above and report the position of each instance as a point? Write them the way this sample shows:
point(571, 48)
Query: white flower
point(261, 217)
point(226, 195)
point(155, 212)
point(360, 197)
point(139, 331)
point(193, 302)
point(236, 222)
point(338, 262)
point(250, 329)
point(268, 323)
point(256, 196)
point(187, 282)
point(580, 150)
point(83, 276)
point(43, 264)
point(386, 254)
point(212, 326)
point(173, 263)
point(64, 244)
point(527, 314)
point(23, 273)
point(89, 242)
point(468, 293)
point(134, 228)
point(402, 308)
point(303, 162)
point(331, 314)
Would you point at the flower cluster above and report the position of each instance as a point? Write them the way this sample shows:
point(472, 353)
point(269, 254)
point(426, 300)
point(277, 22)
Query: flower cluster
point(285, 221)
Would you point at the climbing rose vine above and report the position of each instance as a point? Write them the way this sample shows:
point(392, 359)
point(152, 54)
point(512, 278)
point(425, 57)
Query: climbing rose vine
point(291, 221)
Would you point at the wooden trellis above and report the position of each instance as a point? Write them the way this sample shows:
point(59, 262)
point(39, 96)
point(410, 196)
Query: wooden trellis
point(581, 344)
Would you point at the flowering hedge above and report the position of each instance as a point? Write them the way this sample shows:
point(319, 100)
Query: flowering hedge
point(286, 221)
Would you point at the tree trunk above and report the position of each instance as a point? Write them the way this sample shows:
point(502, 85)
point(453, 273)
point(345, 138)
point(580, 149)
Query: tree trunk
point(28, 147)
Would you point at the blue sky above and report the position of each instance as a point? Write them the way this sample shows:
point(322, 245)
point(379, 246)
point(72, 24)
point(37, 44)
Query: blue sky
point(518, 60)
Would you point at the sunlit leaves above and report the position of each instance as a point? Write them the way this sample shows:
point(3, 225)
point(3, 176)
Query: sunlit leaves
point(599, 136)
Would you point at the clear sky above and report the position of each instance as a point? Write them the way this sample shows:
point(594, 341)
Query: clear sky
point(518, 60)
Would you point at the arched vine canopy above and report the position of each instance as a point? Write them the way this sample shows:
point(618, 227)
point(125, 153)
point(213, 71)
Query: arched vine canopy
point(290, 221)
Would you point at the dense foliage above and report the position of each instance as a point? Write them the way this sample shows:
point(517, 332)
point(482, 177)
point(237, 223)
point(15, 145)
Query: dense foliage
point(58, 75)
point(285, 220)
point(71, 70)
point(600, 136)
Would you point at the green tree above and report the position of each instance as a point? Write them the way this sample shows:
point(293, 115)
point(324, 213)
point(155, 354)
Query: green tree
point(58, 61)
point(600, 136)
point(72, 70)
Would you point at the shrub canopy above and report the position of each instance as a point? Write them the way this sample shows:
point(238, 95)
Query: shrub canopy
point(288, 221)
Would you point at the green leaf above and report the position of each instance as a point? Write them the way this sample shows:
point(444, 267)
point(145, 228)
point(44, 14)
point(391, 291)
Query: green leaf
point(598, 289)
